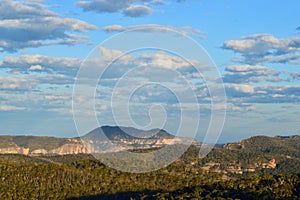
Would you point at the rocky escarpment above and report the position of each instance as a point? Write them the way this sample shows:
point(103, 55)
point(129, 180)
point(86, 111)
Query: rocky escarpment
point(67, 146)
point(108, 139)
point(237, 168)
point(255, 154)
point(100, 140)
point(12, 148)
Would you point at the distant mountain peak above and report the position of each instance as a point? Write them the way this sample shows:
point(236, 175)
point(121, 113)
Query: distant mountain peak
point(122, 132)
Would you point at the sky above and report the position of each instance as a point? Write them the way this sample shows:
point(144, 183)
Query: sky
point(52, 54)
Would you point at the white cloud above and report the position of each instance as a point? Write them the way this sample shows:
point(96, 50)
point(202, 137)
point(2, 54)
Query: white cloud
point(19, 10)
point(137, 11)
point(150, 62)
point(148, 28)
point(161, 59)
point(55, 96)
point(22, 64)
point(55, 79)
point(238, 93)
point(251, 74)
point(11, 108)
point(130, 8)
point(19, 83)
point(104, 6)
point(230, 107)
point(35, 68)
point(110, 54)
point(246, 68)
point(259, 48)
point(27, 24)
point(241, 88)
point(59, 72)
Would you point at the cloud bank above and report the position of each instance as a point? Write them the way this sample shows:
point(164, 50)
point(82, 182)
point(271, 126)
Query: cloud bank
point(261, 48)
point(152, 28)
point(129, 8)
point(25, 24)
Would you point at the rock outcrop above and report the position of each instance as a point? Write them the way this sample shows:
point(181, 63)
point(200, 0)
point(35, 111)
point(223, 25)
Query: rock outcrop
point(14, 149)
point(100, 140)
point(236, 168)
point(65, 149)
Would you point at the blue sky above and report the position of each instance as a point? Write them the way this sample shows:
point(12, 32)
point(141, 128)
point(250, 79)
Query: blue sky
point(254, 44)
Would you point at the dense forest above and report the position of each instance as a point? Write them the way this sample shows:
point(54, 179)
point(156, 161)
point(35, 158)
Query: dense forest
point(84, 177)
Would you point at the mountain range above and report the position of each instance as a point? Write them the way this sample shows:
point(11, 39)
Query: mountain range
point(256, 154)
point(100, 140)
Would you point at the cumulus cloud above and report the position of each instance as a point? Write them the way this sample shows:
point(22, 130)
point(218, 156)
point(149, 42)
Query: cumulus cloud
point(242, 93)
point(31, 71)
point(161, 59)
point(56, 79)
point(104, 6)
point(251, 74)
point(184, 30)
point(20, 83)
point(35, 68)
point(260, 48)
point(37, 71)
point(158, 2)
point(25, 63)
point(277, 94)
point(11, 108)
point(236, 90)
point(293, 58)
point(240, 107)
point(145, 69)
point(54, 101)
point(138, 68)
point(151, 64)
point(137, 11)
point(130, 8)
point(17, 10)
point(28, 24)
point(63, 70)
point(110, 54)
point(247, 97)
point(56, 97)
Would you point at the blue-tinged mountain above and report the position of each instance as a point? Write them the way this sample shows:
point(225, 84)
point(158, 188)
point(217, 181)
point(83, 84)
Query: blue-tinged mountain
point(115, 138)
point(114, 133)
point(100, 140)
point(257, 154)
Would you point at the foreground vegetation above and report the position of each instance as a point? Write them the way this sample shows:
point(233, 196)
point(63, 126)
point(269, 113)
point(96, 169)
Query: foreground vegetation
point(83, 177)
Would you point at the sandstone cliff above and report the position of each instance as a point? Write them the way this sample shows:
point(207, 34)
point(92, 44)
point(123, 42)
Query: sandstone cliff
point(105, 139)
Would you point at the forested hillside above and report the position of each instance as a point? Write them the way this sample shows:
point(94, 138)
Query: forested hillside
point(84, 177)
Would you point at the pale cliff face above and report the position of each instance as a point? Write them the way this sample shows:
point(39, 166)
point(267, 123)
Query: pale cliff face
point(9, 150)
point(39, 151)
point(14, 149)
point(63, 150)
point(92, 142)
point(75, 146)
